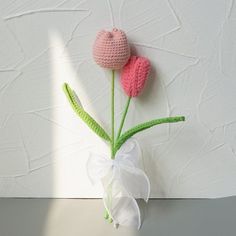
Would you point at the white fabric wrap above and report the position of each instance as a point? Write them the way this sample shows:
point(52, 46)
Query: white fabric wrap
point(123, 181)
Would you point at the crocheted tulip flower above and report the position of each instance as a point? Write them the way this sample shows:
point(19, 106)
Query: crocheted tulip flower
point(111, 49)
point(134, 75)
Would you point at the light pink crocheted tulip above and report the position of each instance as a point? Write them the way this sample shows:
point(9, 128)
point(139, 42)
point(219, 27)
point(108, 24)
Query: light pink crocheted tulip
point(111, 49)
point(134, 75)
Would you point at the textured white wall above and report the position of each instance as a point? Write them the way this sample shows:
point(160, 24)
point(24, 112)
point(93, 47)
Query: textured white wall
point(192, 47)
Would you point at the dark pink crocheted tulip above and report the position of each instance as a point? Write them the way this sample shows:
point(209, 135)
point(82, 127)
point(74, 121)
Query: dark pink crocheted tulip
point(111, 49)
point(134, 75)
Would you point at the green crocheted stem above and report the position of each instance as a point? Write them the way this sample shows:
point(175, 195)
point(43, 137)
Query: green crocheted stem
point(123, 118)
point(91, 123)
point(106, 215)
point(128, 134)
point(113, 114)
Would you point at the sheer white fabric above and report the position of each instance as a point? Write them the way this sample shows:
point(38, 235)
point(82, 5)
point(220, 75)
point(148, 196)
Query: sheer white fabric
point(123, 181)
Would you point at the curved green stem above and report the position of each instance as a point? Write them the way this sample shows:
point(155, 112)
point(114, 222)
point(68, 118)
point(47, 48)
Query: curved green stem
point(113, 114)
point(123, 118)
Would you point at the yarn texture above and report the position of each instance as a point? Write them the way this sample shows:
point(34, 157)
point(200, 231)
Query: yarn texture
point(134, 75)
point(111, 49)
point(138, 128)
point(91, 123)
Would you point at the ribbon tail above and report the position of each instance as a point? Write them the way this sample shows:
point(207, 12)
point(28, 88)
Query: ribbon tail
point(136, 182)
point(121, 206)
point(133, 178)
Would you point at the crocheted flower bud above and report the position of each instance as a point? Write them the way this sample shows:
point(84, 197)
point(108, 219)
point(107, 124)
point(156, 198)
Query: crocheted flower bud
point(111, 49)
point(134, 75)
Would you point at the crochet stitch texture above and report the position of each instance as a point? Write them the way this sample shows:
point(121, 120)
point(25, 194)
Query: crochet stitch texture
point(134, 75)
point(111, 49)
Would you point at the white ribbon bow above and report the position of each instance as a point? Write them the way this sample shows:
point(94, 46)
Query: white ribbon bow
point(123, 181)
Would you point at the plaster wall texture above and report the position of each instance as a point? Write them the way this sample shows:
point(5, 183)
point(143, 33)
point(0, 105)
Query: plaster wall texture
point(192, 47)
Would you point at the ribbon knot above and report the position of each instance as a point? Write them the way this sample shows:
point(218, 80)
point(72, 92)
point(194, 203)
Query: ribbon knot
point(123, 180)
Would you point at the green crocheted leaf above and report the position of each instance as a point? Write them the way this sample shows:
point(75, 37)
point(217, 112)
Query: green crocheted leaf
point(92, 124)
point(144, 126)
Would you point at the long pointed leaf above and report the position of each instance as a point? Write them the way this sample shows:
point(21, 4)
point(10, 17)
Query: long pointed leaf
point(144, 126)
point(91, 123)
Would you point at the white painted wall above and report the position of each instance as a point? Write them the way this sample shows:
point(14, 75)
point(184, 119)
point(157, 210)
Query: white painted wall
point(192, 47)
